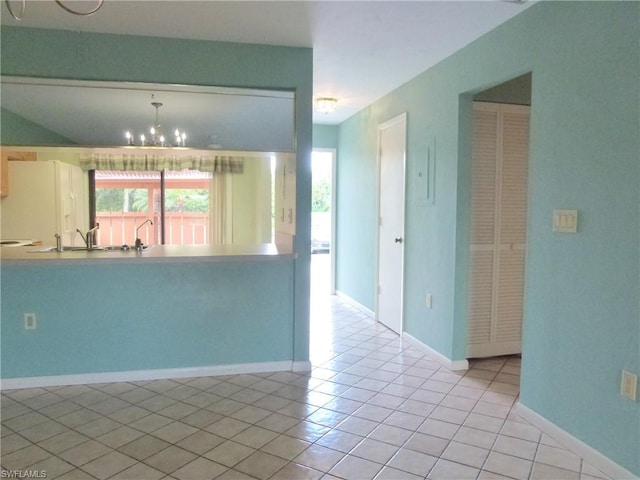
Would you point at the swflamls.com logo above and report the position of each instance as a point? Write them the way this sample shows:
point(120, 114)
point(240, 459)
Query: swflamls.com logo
point(23, 473)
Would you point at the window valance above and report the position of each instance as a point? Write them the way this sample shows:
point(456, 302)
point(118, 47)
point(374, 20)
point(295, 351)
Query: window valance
point(157, 162)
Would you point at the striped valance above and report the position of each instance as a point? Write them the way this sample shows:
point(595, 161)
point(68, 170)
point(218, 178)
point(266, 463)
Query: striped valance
point(157, 162)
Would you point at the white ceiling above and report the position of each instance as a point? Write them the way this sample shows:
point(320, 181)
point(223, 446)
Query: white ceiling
point(362, 49)
point(99, 113)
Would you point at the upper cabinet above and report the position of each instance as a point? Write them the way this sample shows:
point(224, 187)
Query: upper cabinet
point(4, 167)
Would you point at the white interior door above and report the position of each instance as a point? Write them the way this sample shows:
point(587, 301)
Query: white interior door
point(391, 159)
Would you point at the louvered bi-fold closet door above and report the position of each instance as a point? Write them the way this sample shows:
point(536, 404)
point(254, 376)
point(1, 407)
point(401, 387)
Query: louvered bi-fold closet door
point(498, 229)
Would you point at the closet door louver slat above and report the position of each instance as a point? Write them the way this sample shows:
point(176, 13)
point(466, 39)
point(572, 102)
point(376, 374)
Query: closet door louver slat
point(483, 194)
point(510, 296)
point(513, 204)
point(481, 297)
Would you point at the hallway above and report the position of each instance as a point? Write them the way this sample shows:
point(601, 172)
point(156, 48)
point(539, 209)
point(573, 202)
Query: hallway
point(373, 407)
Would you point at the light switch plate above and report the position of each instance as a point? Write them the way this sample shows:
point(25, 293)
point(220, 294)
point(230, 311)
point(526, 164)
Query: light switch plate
point(30, 321)
point(629, 385)
point(565, 221)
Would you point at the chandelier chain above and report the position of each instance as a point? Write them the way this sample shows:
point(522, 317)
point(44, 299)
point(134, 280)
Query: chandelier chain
point(157, 138)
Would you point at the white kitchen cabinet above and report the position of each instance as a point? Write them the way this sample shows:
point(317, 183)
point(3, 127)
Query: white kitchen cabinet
point(47, 197)
point(498, 229)
point(13, 156)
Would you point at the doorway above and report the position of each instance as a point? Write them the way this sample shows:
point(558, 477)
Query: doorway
point(392, 147)
point(498, 212)
point(323, 222)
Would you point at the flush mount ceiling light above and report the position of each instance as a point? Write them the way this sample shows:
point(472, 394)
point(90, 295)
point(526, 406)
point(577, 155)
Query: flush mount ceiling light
point(157, 138)
point(326, 104)
point(23, 8)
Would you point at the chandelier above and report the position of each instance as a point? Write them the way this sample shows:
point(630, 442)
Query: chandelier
point(23, 9)
point(326, 104)
point(157, 138)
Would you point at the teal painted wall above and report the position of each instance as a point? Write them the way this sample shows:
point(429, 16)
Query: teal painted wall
point(356, 210)
point(17, 130)
point(92, 56)
point(582, 305)
point(325, 136)
point(107, 317)
point(89, 56)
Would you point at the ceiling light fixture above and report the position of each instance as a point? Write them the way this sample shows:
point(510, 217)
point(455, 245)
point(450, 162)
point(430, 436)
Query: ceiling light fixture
point(326, 104)
point(157, 138)
point(23, 9)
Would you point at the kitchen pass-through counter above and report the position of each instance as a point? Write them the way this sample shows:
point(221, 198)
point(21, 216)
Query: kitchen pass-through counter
point(155, 253)
point(164, 312)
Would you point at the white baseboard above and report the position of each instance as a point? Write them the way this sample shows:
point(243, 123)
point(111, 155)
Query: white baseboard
point(454, 365)
point(590, 454)
point(140, 375)
point(355, 304)
point(301, 366)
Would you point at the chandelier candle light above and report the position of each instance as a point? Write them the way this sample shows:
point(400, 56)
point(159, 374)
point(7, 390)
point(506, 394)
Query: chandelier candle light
point(157, 138)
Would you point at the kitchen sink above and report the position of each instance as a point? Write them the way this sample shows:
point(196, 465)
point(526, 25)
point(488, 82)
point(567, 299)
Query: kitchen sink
point(125, 248)
point(97, 249)
point(68, 249)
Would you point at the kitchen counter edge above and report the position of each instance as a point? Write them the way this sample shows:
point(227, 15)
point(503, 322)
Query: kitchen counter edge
point(32, 255)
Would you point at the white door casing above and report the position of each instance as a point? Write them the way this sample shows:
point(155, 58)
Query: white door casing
point(392, 140)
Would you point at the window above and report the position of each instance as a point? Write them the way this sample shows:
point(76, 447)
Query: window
point(187, 205)
point(191, 199)
point(177, 203)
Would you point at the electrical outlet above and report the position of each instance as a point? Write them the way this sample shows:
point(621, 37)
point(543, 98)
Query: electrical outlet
point(629, 385)
point(30, 322)
point(429, 300)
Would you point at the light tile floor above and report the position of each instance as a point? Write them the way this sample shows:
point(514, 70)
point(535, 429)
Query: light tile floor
point(373, 407)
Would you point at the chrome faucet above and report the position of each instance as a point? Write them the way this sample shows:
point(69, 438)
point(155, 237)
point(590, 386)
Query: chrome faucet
point(138, 241)
point(88, 238)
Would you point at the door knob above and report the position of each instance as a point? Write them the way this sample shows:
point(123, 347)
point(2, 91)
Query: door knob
point(398, 239)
